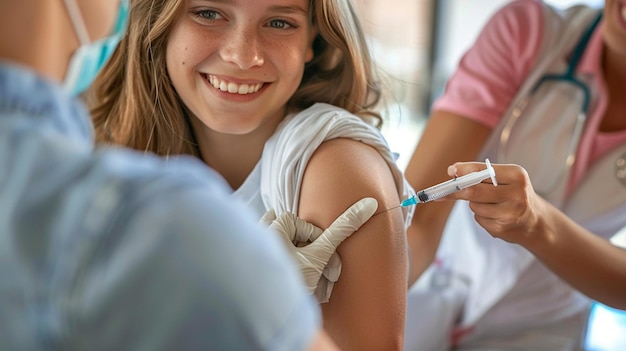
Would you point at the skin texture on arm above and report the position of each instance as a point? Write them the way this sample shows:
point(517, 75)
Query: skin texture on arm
point(513, 212)
point(321, 342)
point(367, 308)
point(447, 138)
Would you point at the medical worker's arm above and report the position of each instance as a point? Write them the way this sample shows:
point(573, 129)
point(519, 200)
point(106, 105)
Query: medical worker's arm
point(446, 139)
point(366, 310)
point(476, 97)
point(513, 212)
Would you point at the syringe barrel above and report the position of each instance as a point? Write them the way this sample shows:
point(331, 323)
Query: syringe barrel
point(448, 187)
point(437, 191)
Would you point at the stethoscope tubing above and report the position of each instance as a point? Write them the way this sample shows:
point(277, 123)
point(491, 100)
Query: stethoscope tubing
point(568, 77)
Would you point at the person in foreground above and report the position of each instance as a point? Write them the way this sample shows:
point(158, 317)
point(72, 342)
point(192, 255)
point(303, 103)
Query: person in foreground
point(274, 95)
point(118, 250)
point(541, 89)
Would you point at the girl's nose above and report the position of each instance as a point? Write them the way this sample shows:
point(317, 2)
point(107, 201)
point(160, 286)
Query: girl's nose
point(243, 49)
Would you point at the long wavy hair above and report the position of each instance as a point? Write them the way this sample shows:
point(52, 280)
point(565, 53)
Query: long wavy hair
point(134, 104)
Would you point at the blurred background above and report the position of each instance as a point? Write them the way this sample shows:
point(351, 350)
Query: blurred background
point(418, 44)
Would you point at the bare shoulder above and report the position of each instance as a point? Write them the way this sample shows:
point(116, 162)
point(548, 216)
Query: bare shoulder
point(341, 172)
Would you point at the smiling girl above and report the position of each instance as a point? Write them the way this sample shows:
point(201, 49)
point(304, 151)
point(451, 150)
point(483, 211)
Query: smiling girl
point(273, 94)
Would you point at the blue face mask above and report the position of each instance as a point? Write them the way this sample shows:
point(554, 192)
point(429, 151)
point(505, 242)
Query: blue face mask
point(89, 58)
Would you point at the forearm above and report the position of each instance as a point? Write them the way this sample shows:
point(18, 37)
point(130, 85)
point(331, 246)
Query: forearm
point(424, 235)
point(589, 263)
point(447, 138)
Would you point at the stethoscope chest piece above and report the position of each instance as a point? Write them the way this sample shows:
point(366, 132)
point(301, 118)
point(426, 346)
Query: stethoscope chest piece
point(620, 169)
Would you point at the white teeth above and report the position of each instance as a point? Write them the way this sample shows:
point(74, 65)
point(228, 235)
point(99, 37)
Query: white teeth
point(234, 88)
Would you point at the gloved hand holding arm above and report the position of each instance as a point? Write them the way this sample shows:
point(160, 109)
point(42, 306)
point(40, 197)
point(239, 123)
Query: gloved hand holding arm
point(314, 257)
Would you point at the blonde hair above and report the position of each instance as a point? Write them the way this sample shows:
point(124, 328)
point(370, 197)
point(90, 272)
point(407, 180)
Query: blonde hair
point(133, 101)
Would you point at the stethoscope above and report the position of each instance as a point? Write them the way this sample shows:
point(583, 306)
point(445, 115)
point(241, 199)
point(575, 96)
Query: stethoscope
point(565, 77)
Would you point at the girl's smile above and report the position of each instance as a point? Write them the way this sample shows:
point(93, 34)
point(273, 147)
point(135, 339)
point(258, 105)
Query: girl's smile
point(236, 64)
point(232, 87)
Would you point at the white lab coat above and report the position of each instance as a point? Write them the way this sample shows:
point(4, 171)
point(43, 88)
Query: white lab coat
point(498, 288)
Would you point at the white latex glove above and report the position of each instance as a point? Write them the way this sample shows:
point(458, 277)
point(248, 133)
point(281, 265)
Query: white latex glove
point(312, 247)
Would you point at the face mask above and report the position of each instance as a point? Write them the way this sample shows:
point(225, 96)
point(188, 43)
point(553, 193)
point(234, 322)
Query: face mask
point(89, 58)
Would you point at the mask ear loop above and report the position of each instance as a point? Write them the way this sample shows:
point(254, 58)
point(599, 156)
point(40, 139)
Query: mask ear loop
point(77, 21)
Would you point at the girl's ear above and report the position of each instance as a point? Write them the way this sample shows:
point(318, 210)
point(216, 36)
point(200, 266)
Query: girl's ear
point(310, 54)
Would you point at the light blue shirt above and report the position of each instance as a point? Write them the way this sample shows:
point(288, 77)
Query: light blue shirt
point(115, 250)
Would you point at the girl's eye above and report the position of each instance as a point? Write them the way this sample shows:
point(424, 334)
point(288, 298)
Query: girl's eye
point(279, 24)
point(207, 14)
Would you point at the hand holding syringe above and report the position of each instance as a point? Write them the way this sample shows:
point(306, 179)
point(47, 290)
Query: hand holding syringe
point(451, 186)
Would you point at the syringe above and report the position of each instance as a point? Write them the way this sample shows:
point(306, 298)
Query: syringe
point(453, 185)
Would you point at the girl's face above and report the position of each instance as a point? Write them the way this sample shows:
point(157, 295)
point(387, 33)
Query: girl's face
point(615, 25)
point(235, 63)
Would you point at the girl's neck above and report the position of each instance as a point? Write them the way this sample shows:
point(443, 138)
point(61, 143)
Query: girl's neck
point(232, 156)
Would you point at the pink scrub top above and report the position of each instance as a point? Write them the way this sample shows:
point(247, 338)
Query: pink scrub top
point(494, 68)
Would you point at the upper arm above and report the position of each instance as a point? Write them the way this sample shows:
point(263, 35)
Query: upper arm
point(367, 306)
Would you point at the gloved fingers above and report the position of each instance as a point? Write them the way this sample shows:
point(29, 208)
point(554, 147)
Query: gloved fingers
point(305, 231)
point(319, 251)
point(285, 226)
point(268, 217)
point(280, 227)
point(333, 268)
point(350, 221)
point(355, 216)
point(311, 279)
point(323, 290)
point(310, 266)
point(295, 228)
